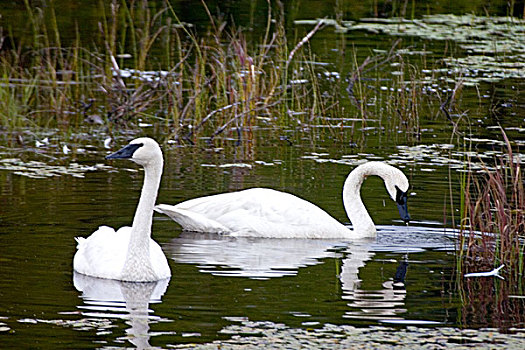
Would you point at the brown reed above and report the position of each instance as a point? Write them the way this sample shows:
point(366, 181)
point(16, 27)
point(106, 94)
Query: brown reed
point(493, 218)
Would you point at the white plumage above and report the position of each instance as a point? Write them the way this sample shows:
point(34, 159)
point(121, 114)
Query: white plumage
point(263, 212)
point(129, 254)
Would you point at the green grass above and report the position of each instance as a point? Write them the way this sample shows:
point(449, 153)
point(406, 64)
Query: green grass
point(223, 81)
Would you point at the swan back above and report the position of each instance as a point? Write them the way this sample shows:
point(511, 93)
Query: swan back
point(259, 212)
point(263, 212)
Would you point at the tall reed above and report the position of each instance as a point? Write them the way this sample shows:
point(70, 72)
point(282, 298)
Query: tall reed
point(493, 217)
point(227, 83)
point(146, 64)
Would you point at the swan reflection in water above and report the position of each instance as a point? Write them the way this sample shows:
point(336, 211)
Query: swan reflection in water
point(385, 304)
point(252, 257)
point(105, 298)
point(264, 258)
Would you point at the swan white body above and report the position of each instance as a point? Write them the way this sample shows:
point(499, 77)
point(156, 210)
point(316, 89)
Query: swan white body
point(129, 254)
point(263, 212)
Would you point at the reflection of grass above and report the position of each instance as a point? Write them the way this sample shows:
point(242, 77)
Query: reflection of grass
point(491, 302)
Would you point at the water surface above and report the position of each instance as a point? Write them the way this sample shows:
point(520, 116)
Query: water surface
point(218, 280)
point(223, 286)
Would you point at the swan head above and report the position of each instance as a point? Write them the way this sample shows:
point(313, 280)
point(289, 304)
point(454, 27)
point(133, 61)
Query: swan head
point(402, 206)
point(142, 151)
point(397, 186)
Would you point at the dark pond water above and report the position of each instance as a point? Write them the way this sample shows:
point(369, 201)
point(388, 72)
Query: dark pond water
point(218, 281)
point(49, 195)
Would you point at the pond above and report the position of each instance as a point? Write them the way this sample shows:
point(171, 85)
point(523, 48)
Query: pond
point(401, 289)
point(220, 282)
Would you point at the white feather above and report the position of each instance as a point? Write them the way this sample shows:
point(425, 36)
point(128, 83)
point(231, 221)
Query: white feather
point(129, 254)
point(263, 212)
point(494, 272)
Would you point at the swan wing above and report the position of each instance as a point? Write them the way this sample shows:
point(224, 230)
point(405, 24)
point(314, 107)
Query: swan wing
point(103, 253)
point(261, 212)
point(191, 221)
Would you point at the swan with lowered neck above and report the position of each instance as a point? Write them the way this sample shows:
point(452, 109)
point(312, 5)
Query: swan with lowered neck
point(129, 254)
point(263, 212)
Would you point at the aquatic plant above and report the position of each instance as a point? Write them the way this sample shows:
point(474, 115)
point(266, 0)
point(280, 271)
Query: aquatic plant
point(229, 82)
point(491, 235)
point(493, 44)
point(493, 217)
point(221, 82)
point(491, 302)
point(45, 83)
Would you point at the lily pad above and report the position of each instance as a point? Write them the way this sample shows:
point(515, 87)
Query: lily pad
point(495, 46)
point(41, 170)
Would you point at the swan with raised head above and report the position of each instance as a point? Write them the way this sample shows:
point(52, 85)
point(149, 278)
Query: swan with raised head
point(129, 254)
point(263, 212)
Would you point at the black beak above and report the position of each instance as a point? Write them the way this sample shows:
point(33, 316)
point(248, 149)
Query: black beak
point(402, 206)
point(126, 152)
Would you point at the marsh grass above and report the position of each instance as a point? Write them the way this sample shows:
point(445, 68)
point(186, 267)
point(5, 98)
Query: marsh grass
point(491, 302)
point(491, 234)
point(43, 82)
point(228, 83)
point(391, 92)
point(146, 65)
point(492, 230)
point(202, 84)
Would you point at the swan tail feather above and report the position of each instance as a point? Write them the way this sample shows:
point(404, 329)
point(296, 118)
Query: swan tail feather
point(101, 231)
point(80, 241)
point(191, 221)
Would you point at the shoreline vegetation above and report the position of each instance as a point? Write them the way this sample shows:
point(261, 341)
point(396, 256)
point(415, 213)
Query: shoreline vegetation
point(491, 237)
point(205, 84)
point(226, 81)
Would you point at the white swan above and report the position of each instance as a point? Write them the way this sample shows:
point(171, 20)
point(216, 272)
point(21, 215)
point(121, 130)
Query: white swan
point(129, 254)
point(263, 212)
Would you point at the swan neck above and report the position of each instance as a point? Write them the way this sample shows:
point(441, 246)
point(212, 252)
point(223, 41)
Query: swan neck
point(138, 260)
point(144, 213)
point(355, 209)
